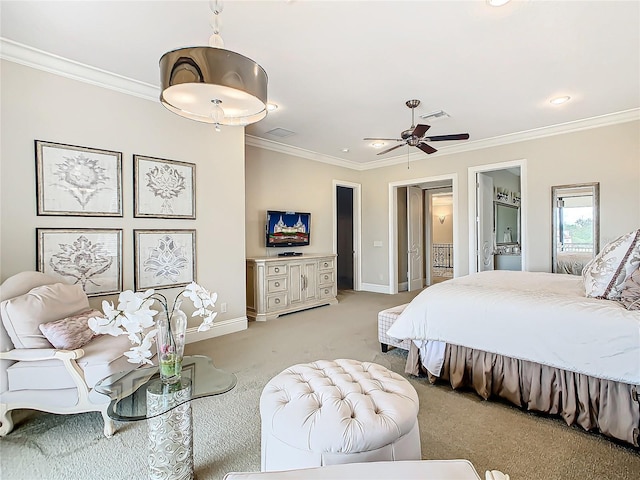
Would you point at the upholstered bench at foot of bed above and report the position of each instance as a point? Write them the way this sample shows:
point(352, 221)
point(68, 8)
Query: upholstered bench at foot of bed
point(386, 318)
point(336, 412)
point(406, 470)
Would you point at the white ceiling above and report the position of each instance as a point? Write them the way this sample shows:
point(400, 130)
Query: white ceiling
point(342, 70)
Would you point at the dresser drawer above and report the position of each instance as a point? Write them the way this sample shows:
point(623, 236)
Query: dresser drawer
point(277, 269)
point(275, 285)
point(327, 292)
point(325, 277)
point(325, 264)
point(276, 302)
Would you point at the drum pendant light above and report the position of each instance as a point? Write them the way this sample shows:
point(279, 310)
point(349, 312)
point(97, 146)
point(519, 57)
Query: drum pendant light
point(212, 84)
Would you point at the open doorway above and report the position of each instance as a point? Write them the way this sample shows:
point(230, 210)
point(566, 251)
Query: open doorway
point(346, 234)
point(498, 216)
point(411, 234)
point(440, 264)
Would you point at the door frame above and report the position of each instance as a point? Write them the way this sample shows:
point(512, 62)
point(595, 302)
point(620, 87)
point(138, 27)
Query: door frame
point(357, 228)
point(393, 223)
point(473, 209)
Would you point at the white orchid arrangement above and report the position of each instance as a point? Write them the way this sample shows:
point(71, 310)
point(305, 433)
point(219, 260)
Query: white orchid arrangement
point(134, 317)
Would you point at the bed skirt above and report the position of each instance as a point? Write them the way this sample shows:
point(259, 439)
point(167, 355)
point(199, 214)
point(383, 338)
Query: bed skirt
point(610, 407)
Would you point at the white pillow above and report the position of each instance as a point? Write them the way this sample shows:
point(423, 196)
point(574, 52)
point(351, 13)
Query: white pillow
point(22, 315)
point(605, 274)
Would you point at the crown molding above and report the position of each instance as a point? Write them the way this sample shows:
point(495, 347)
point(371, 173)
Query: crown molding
point(537, 133)
point(258, 142)
point(41, 60)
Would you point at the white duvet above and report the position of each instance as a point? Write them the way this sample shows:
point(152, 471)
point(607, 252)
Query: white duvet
point(540, 317)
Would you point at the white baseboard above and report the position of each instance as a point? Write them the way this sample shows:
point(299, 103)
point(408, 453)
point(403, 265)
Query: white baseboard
point(373, 287)
point(218, 329)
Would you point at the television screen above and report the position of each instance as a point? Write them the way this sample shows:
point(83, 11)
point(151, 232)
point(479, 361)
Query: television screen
point(287, 229)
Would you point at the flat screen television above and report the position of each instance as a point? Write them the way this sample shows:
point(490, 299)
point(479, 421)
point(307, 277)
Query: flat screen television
point(287, 229)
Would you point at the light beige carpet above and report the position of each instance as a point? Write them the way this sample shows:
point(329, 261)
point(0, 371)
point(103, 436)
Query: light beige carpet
point(491, 435)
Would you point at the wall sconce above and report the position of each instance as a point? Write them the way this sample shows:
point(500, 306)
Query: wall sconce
point(441, 218)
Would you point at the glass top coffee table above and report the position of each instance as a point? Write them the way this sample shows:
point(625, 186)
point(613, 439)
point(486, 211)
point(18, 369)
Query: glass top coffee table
point(128, 390)
point(140, 395)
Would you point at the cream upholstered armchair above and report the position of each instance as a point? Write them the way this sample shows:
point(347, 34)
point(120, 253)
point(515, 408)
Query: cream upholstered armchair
point(38, 312)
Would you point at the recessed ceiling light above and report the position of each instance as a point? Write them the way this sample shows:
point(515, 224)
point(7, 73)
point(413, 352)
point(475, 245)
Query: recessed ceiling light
point(378, 144)
point(345, 150)
point(497, 3)
point(271, 107)
point(560, 100)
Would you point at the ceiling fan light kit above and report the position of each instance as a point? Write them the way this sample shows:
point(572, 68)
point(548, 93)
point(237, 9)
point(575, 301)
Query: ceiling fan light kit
point(414, 136)
point(213, 85)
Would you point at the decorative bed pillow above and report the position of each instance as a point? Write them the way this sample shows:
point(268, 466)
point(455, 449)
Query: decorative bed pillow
point(71, 332)
point(604, 275)
point(630, 294)
point(22, 315)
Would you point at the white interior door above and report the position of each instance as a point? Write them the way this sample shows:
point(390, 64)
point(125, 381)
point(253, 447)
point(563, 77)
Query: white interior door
point(415, 238)
point(485, 222)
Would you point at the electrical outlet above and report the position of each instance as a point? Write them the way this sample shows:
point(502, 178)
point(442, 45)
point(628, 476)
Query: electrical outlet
point(223, 307)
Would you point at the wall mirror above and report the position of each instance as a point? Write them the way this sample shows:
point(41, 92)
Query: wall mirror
point(575, 227)
point(507, 224)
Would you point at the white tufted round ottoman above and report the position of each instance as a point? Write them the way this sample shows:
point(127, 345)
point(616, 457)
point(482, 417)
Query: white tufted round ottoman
point(334, 412)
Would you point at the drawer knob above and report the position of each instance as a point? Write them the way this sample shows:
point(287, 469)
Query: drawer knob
point(326, 291)
point(326, 264)
point(277, 300)
point(277, 269)
point(277, 284)
point(326, 277)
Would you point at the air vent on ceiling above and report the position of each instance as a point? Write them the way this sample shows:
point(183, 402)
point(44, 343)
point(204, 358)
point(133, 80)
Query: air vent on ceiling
point(281, 132)
point(440, 114)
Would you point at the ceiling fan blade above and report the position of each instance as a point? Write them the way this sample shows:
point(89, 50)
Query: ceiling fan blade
point(389, 149)
point(426, 148)
point(440, 138)
point(420, 130)
point(386, 139)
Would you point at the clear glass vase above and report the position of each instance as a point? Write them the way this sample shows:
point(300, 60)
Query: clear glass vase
point(170, 343)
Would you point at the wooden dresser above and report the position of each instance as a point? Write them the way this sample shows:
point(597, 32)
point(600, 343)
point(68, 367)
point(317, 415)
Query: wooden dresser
point(277, 285)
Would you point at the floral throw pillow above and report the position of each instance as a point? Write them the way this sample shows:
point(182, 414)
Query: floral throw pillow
point(630, 294)
point(605, 274)
point(71, 332)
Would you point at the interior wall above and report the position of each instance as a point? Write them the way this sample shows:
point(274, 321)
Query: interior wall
point(277, 181)
point(442, 232)
point(609, 155)
point(505, 179)
point(43, 106)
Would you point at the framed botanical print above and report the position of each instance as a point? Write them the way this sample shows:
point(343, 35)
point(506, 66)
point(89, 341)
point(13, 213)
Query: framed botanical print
point(72, 180)
point(90, 257)
point(164, 258)
point(163, 188)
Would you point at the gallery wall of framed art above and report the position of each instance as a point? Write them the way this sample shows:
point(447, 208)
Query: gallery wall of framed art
point(82, 181)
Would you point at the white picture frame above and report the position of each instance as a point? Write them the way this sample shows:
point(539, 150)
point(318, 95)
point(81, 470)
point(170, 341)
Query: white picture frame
point(164, 258)
point(78, 181)
point(90, 257)
point(163, 188)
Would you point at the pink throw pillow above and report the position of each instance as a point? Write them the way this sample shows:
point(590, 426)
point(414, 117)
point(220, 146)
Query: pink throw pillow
point(71, 332)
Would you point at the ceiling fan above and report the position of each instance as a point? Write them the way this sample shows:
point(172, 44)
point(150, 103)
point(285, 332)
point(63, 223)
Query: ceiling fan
point(415, 135)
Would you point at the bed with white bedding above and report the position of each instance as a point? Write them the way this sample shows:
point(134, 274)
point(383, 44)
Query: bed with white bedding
point(535, 339)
